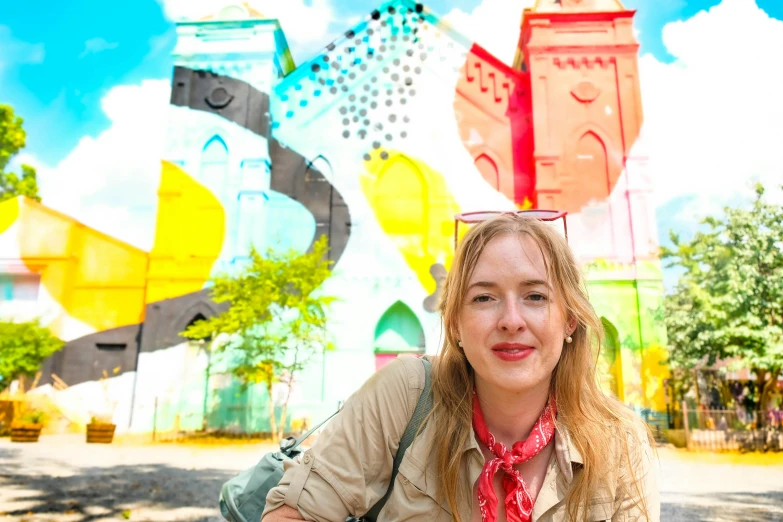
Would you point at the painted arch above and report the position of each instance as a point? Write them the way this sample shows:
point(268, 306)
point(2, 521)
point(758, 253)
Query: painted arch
point(398, 331)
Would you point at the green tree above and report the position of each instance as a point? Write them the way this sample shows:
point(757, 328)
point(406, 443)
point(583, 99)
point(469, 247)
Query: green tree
point(277, 319)
point(23, 347)
point(12, 140)
point(728, 304)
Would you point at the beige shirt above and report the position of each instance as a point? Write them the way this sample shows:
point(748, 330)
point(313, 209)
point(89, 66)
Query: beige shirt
point(348, 468)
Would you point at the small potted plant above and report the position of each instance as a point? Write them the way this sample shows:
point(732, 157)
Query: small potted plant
point(100, 430)
point(27, 428)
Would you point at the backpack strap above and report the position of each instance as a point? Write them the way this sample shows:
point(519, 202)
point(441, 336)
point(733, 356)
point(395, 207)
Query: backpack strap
point(423, 408)
point(289, 444)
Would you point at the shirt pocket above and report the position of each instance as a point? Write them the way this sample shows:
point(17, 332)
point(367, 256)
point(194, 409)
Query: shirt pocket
point(413, 497)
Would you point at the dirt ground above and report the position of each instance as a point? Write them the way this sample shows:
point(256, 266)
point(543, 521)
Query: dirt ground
point(65, 480)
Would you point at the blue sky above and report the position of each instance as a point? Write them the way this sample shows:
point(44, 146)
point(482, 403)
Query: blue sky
point(59, 97)
point(57, 70)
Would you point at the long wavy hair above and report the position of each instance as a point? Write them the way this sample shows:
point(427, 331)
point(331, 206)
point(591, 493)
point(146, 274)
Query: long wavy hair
point(606, 433)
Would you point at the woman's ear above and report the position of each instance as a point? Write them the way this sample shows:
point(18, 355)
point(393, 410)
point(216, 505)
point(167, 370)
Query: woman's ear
point(571, 325)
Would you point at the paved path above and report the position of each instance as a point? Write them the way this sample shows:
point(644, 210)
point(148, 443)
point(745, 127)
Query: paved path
point(65, 480)
point(694, 489)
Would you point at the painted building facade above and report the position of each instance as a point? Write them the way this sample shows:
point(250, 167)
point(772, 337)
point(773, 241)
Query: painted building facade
point(377, 142)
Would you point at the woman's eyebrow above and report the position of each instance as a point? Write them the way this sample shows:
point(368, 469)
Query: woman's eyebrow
point(534, 282)
point(483, 284)
point(525, 282)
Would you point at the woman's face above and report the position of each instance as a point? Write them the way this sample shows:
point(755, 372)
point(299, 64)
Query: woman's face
point(511, 324)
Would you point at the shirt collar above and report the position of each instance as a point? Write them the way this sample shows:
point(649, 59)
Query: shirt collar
point(566, 453)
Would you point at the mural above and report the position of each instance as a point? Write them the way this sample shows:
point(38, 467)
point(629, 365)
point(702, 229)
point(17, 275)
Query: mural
point(376, 142)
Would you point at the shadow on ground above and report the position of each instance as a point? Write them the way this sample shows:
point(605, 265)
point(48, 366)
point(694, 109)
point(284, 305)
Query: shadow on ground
point(725, 507)
point(101, 493)
point(161, 492)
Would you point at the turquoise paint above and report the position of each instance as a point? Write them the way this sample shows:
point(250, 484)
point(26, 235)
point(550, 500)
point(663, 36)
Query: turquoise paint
point(399, 331)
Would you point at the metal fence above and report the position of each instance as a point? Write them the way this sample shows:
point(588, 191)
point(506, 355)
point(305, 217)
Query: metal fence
point(731, 430)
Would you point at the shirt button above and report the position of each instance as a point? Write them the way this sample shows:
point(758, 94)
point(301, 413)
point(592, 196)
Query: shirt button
point(405, 481)
point(307, 458)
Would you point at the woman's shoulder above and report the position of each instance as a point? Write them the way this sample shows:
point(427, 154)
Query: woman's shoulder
point(404, 375)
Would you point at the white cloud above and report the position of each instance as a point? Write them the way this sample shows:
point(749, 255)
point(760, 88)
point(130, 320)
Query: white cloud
point(14, 51)
point(97, 45)
point(303, 22)
point(493, 24)
point(714, 117)
point(110, 182)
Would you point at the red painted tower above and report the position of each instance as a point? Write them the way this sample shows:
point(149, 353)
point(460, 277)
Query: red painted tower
point(581, 56)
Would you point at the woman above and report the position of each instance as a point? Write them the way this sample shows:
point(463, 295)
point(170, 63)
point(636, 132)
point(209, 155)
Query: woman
point(519, 431)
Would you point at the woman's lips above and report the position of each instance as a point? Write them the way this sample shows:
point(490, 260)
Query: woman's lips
point(511, 351)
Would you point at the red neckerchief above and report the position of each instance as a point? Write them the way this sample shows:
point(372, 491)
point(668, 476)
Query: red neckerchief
point(519, 503)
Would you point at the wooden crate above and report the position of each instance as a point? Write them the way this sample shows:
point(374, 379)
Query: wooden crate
point(6, 416)
point(100, 433)
point(25, 432)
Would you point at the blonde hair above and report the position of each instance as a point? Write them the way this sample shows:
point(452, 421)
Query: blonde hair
point(589, 416)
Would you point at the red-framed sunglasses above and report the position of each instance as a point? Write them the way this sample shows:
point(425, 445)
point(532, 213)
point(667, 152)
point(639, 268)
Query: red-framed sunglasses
point(472, 218)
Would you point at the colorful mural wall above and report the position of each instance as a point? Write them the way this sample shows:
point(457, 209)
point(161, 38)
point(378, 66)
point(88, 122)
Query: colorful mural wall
point(376, 142)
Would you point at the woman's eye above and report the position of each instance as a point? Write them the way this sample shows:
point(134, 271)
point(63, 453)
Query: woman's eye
point(481, 299)
point(537, 297)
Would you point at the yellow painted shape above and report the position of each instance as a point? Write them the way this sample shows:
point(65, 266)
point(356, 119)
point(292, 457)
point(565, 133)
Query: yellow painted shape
point(655, 371)
point(610, 376)
point(525, 205)
point(415, 208)
point(97, 279)
point(189, 235)
point(9, 213)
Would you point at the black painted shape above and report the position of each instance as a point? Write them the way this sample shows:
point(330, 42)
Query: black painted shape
point(228, 97)
point(439, 274)
point(80, 360)
point(292, 174)
point(164, 320)
point(298, 179)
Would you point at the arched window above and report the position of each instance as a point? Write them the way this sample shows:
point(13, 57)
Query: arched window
point(611, 362)
point(251, 223)
point(398, 331)
point(214, 166)
point(488, 170)
point(196, 318)
point(592, 168)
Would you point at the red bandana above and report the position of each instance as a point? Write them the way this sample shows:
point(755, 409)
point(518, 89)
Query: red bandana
point(519, 503)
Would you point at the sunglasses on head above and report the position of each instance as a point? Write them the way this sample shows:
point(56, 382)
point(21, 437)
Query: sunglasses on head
point(471, 218)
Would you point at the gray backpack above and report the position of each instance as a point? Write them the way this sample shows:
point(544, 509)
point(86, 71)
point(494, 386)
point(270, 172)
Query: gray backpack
point(242, 499)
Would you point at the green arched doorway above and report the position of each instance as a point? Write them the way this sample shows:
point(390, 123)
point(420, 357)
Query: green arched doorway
point(398, 331)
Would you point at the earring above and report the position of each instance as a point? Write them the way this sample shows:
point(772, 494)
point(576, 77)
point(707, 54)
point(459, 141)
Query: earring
point(459, 343)
point(569, 340)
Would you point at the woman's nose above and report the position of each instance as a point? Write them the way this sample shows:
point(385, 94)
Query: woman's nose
point(511, 318)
